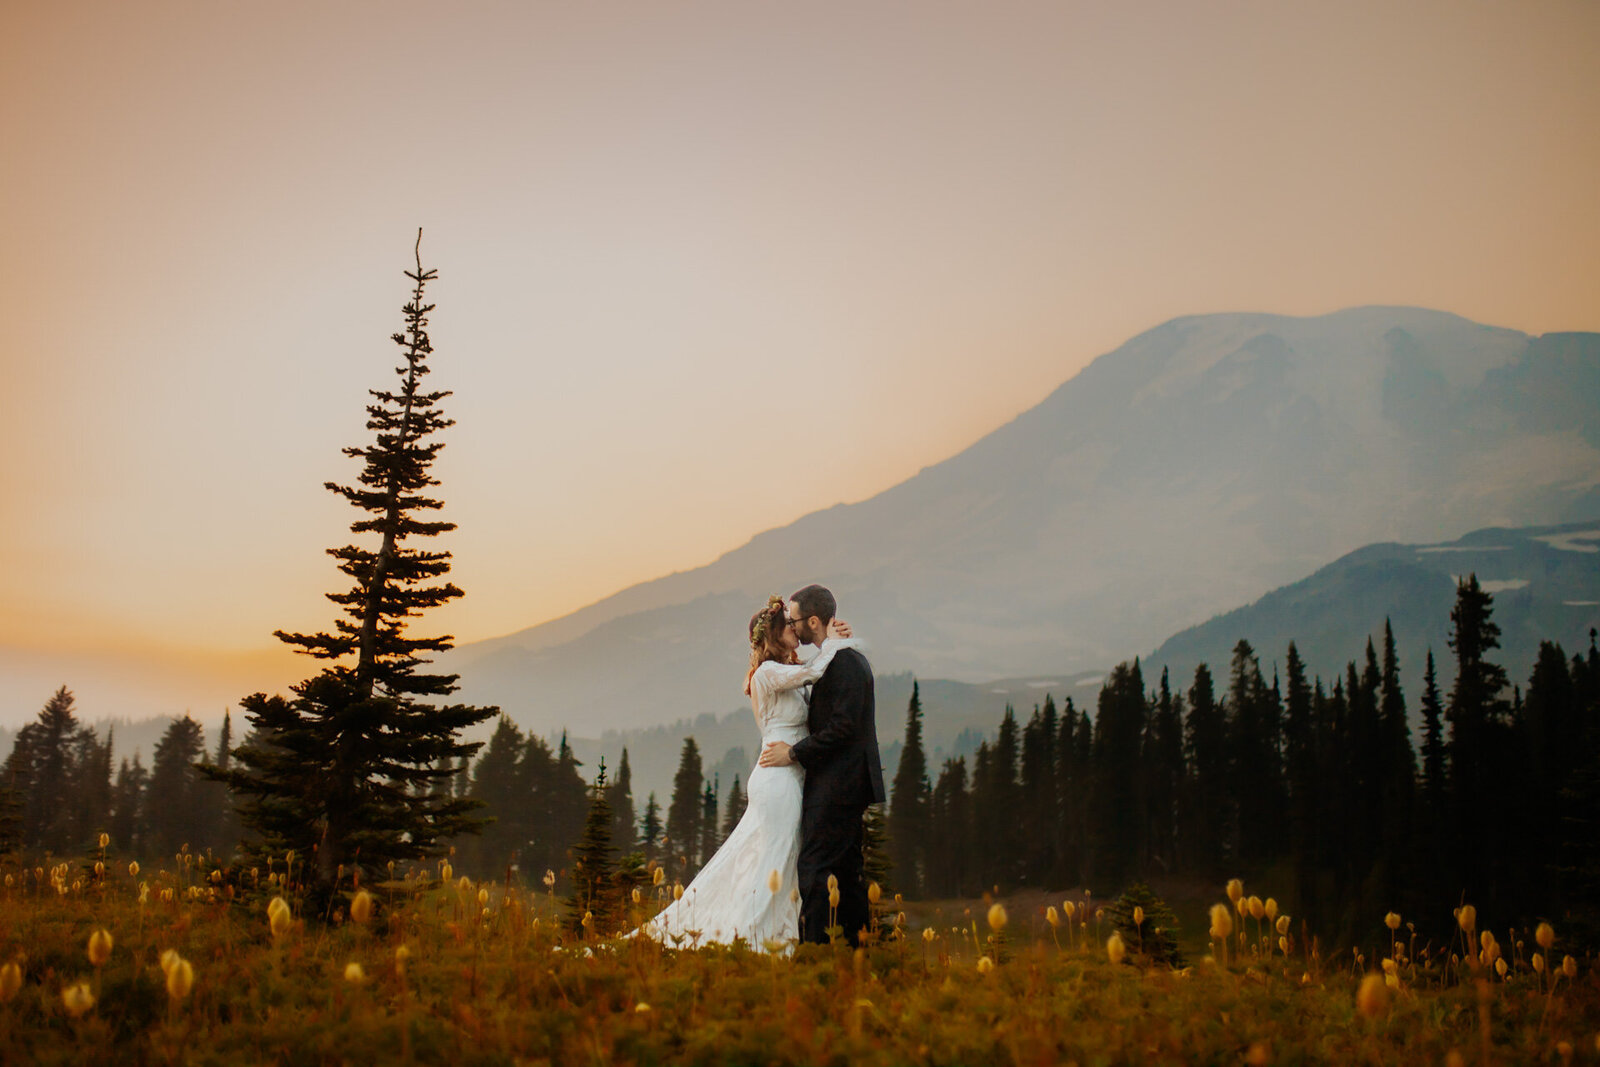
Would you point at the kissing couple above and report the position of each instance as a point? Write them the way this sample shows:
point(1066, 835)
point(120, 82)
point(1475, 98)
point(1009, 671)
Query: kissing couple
point(792, 867)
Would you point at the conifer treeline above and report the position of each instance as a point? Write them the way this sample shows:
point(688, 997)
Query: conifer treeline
point(1497, 798)
point(1236, 776)
point(58, 792)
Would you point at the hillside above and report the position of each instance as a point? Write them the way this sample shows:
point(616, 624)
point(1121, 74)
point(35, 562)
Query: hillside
point(1193, 469)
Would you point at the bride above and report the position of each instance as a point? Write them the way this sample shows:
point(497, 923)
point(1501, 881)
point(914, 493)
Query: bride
point(749, 889)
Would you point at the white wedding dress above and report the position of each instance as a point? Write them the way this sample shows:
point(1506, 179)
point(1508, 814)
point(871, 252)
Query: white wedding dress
point(732, 898)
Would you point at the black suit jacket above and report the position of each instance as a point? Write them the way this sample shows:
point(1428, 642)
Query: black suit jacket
point(841, 754)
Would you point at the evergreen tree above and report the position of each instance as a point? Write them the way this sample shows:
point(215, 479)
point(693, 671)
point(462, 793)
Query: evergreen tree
point(710, 839)
point(41, 771)
point(621, 801)
point(1399, 778)
point(335, 771)
point(175, 814)
point(593, 872)
point(1255, 751)
point(1300, 764)
point(1206, 746)
point(1117, 823)
point(683, 811)
point(909, 801)
point(223, 830)
point(1480, 734)
point(877, 862)
point(737, 802)
point(497, 782)
point(567, 800)
point(1434, 777)
point(1038, 812)
point(91, 783)
point(650, 827)
point(127, 808)
point(949, 866)
point(1164, 761)
point(1551, 726)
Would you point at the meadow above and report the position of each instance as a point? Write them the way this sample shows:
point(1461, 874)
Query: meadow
point(105, 962)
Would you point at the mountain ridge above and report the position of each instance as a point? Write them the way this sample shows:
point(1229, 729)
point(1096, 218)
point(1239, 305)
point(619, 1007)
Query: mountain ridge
point(1199, 465)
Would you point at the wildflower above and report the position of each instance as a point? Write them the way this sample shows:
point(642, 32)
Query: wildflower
point(464, 885)
point(1569, 967)
point(445, 871)
point(279, 917)
point(1257, 909)
point(1545, 935)
point(985, 964)
point(401, 954)
point(658, 877)
point(833, 897)
point(1486, 940)
point(168, 958)
point(1392, 920)
point(997, 918)
point(642, 1008)
point(550, 879)
point(353, 973)
point(77, 998)
point(1372, 999)
point(677, 891)
point(361, 907)
point(1235, 890)
point(1052, 917)
point(638, 897)
point(99, 869)
point(1272, 909)
point(1467, 916)
point(1283, 924)
point(10, 981)
point(833, 882)
point(1221, 922)
point(774, 881)
point(105, 840)
point(1500, 967)
point(100, 947)
point(1138, 915)
point(180, 979)
point(1067, 909)
point(874, 892)
point(1115, 949)
point(133, 869)
point(1538, 963)
point(483, 897)
point(1283, 945)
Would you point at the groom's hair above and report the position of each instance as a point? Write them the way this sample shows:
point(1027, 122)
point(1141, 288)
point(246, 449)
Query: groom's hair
point(816, 600)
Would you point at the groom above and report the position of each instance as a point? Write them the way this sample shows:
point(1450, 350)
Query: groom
point(843, 776)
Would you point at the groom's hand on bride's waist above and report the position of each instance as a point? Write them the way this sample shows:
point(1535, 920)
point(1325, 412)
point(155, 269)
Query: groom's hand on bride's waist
point(776, 754)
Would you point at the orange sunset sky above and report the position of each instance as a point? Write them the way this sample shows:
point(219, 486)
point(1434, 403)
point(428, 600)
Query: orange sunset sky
point(703, 268)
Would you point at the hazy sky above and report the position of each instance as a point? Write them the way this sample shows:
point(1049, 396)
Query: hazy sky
point(703, 268)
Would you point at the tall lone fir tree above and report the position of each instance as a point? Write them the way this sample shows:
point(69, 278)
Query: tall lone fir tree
point(354, 769)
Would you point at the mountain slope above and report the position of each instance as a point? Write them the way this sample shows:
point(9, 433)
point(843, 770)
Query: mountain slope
point(1545, 582)
point(1194, 468)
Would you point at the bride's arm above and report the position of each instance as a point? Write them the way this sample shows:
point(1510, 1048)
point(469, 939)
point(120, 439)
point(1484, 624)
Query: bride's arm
point(776, 677)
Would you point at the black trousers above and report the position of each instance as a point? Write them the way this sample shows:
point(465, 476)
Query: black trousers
point(830, 843)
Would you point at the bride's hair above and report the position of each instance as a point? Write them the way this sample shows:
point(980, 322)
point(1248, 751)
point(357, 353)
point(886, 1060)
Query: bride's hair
point(766, 629)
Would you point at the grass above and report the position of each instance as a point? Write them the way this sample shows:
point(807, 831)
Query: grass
point(449, 980)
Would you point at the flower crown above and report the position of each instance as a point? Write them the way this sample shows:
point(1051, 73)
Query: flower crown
point(773, 612)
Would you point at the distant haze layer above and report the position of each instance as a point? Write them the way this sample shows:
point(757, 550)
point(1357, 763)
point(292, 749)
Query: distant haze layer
point(1188, 472)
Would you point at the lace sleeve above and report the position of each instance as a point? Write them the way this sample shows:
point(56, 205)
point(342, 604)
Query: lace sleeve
point(773, 677)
